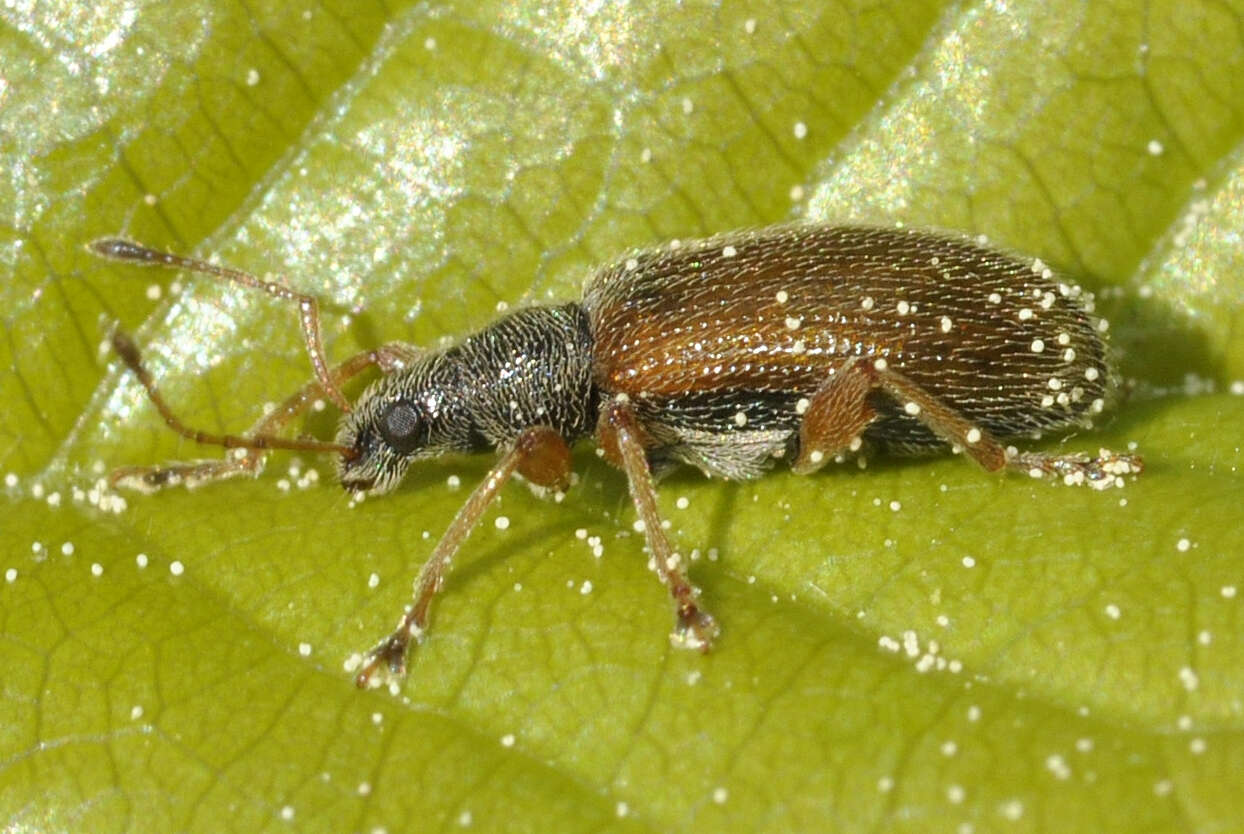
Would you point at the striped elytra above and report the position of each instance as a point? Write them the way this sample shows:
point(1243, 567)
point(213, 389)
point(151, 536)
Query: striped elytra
point(804, 343)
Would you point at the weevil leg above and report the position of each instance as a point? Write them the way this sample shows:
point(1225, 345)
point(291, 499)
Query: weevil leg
point(242, 460)
point(543, 457)
point(838, 412)
point(834, 417)
point(621, 437)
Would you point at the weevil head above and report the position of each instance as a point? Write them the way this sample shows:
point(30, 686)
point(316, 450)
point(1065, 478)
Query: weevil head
point(406, 416)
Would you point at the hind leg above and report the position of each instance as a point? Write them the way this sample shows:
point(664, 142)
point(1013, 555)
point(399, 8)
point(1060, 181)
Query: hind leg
point(837, 414)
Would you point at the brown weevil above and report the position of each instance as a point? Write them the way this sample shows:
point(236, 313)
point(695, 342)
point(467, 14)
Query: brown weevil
point(800, 342)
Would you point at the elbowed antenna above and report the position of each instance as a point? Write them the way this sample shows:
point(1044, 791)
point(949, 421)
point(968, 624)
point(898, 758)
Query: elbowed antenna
point(119, 249)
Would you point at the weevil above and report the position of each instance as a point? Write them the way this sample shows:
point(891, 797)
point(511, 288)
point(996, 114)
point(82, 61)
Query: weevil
point(803, 343)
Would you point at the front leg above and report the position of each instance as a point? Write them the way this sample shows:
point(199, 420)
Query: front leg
point(621, 437)
point(540, 455)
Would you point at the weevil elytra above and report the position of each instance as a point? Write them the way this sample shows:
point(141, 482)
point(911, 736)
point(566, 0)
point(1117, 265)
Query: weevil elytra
point(800, 342)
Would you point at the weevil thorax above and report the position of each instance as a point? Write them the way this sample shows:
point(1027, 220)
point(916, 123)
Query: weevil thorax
point(532, 367)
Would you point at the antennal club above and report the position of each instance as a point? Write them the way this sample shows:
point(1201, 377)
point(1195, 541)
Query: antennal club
point(117, 249)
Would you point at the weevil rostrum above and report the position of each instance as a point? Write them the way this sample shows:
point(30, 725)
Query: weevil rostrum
point(797, 343)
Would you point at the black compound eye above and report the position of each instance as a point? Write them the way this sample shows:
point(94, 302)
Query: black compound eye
point(402, 428)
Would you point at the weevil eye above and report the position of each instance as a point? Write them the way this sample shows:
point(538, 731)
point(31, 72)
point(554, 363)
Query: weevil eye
point(402, 428)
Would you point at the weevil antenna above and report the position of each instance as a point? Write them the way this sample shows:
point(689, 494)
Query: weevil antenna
point(130, 355)
point(116, 249)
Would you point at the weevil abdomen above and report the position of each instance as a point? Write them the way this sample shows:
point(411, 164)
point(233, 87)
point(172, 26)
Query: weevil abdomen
point(719, 343)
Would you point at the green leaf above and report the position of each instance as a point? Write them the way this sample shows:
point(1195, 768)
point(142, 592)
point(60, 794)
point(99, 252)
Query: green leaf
point(915, 646)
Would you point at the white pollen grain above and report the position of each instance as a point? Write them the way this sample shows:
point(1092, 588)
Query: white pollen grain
point(895, 506)
point(912, 408)
point(502, 522)
point(10, 575)
point(688, 106)
point(507, 740)
point(287, 813)
point(793, 323)
point(67, 548)
point(880, 364)
point(816, 456)
point(1037, 346)
point(1069, 355)
point(176, 568)
point(800, 130)
point(252, 77)
point(867, 302)
point(1103, 326)
point(885, 784)
point(97, 569)
point(749, 26)
point(802, 405)
point(1189, 678)
point(728, 251)
point(304, 649)
point(1055, 383)
point(1154, 147)
point(973, 436)
point(10, 480)
point(720, 795)
point(1025, 314)
point(903, 308)
point(1012, 809)
point(955, 794)
point(1227, 591)
point(782, 296)
point(995, 298)
point(1183, 545)
point(141, 560)
point(947, 324)
point(969, 562)
point(1112, 611)
point(373, 580)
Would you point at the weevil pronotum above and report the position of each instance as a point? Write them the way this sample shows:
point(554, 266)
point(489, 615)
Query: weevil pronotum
point(804, 343)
